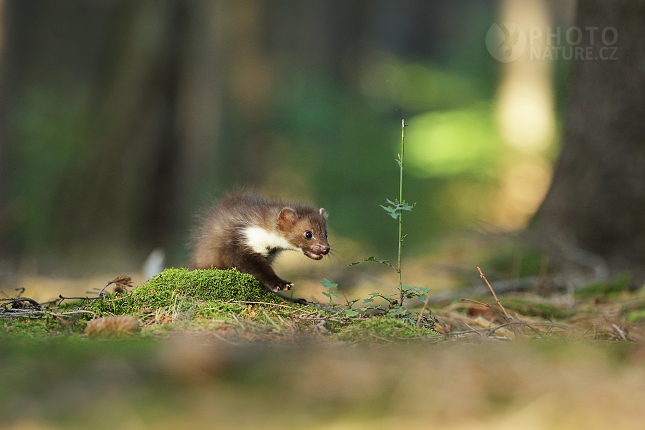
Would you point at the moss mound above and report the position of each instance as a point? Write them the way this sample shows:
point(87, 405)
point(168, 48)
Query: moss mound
point(382, 328)
point(182, 288)
point(210, 284)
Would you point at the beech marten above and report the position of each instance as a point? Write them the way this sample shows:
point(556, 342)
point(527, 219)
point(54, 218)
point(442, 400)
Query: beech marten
point(247, 232)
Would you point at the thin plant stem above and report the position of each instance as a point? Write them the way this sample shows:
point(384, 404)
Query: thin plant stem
point(401, 212)
point(481, 274)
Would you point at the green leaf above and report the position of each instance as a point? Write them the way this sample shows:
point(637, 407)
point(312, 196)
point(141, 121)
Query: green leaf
point(368, 259)
point(416, 289)
point(395, 211)
point(398, 312)
point(372, 259)
point(405, 206)
point(328, 284)
point(331, 294)
point(412, 292)
point(351, 313)
point(392, 211)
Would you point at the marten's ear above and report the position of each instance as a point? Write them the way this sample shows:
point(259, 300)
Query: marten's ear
point(323, 212)
point(287, 219)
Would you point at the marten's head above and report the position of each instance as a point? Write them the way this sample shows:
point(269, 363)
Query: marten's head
point(306, 229)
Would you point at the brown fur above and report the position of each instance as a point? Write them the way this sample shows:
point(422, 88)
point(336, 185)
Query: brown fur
point(222, 240)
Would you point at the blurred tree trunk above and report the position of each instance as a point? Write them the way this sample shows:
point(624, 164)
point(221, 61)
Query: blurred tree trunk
point(90, 94)
point(597, 197)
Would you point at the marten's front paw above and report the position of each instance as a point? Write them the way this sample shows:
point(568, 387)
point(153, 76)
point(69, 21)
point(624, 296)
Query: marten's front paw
point(278, 285)
point(282, 286)
point(286, 286)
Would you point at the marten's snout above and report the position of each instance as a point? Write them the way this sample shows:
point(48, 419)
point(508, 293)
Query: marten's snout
point(317, 252)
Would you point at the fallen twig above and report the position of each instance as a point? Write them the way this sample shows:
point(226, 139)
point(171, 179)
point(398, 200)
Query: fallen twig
point(621, 332)
point(421, 315)
point(508, 318)
point(476, 302)
point(60, 296)
point(39, 313)
point(17, 300)
point(468, 325)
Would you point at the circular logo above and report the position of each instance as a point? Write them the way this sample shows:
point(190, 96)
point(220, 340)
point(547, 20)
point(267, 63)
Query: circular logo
point(505, 42)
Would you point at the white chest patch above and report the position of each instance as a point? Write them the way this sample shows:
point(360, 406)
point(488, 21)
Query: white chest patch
point(262, 241)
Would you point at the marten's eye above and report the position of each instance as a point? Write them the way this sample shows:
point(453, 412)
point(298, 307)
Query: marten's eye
point(308, 234)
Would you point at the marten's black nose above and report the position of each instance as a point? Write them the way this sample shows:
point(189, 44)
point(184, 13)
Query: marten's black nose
point(326, 249)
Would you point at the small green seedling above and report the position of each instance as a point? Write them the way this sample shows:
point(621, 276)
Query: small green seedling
point(395, 301)
point(332, 291)
point(395, 210)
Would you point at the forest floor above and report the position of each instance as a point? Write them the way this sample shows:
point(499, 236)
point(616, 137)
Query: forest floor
point(536, 359)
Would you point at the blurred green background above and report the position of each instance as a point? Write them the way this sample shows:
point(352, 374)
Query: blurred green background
point(120, 120)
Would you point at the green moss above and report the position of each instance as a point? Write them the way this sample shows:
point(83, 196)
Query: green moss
point(213, 309)
point(211, 284)
point(637, 315)
point(528, 308)
point(28, 327)
point(611, 288)
point(181, 291)
point(381, 328)
point(172, 298)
